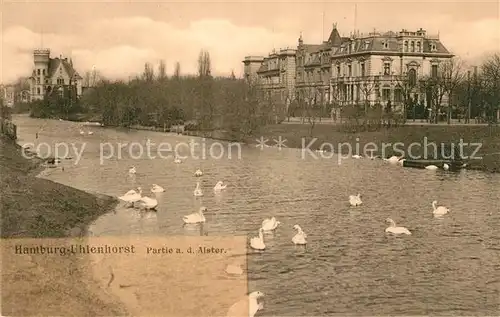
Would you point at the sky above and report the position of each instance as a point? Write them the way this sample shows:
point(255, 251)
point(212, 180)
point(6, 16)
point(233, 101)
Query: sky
point(118, 37)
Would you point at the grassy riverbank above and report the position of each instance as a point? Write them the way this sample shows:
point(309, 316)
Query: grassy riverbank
point(38, 208)
point(487, 136)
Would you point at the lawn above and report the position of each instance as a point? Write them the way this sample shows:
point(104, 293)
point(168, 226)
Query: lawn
point(37, 208)
point(487, 137)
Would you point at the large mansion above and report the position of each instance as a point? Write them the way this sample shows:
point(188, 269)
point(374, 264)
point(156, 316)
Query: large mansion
point(53, 75)
point(377, 67)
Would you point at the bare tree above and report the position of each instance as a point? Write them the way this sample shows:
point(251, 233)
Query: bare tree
point(148, 74)
point(307, 102)
point(452, 76)
point(204, 64)
point(366, 88)
point(446, 81)
point(491, 82)
point(91, 78)
point(177, 70)
point(162, 71)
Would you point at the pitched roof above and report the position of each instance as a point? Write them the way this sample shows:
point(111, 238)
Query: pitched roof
point(54, 64)
point(377, 43)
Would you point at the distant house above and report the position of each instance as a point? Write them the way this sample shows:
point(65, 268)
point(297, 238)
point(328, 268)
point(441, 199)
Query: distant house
point(53, 74)
point(7, 94)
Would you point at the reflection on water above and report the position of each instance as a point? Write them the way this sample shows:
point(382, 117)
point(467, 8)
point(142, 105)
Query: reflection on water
point(350, 266)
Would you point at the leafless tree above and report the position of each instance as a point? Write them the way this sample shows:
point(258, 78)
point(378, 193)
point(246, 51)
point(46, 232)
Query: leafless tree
point(405, 87)
point(491, 81)
point(307, 102)
point(177, 70)
point(148, 74)
point(204, 64)
point(366, 88)
point(91, 78)
point(446, 81)
point(162, 71)
point(452, 76)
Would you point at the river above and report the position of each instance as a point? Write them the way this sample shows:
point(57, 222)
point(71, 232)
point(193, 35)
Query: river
point(350, 267)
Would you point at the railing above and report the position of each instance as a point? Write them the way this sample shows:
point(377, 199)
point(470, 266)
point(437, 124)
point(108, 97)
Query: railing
point(8, 129)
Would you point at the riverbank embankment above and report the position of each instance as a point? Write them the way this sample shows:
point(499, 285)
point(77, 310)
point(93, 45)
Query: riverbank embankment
point(32, 207)
point(484, 139)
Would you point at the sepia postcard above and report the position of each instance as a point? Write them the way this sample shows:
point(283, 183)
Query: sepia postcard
point(250, 158)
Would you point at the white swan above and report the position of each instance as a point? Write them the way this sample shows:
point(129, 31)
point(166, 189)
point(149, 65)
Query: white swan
point(197, 191)
point(81, 132)
point(355, 200)
point(90, 133)
point(132, 170)
point(439, 210)
point(131, 192)
point(247, 306)
point(431, 167)
point(148, 203)
point(300, 237)
point(396, 230)
point(198, 173)
point(270, 224)
point(257, 243)
point(356, 156)
point(234, 269)
point(157, 189)
point(219, 186)
point(446, 166)
point(132, 196)
point(393, 159)
point(195, 217)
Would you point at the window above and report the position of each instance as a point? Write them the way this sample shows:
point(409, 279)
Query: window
point(387, 68)
point(60, 81)
point(362, 69)
point(386, 94)
point(351, 92)
point(338, 71)
point(397, 95)
point(386, 44)
point(419, 49)
point(349, 69)
point(43, 72)
point(38, 80)
point(367, 44)
point(434, 71)
point(38, 72)
point(412, 45)
point(406, 46)
point(38, 90)
point(412, 77)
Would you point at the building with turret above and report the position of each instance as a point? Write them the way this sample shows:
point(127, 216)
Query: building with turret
point(53, 75)
point(373, 68)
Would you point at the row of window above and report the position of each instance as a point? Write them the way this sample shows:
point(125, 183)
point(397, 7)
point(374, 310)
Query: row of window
point(387, 70)
point(409, 46)
point(353, 92)
point(60, 81)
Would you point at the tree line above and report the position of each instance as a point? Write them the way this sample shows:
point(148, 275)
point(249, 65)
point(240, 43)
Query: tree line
point(153, 99)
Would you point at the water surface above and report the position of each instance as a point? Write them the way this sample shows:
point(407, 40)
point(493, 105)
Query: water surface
point(448, 266)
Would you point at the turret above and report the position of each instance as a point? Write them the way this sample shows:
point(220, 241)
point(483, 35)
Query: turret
point(41, 58)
